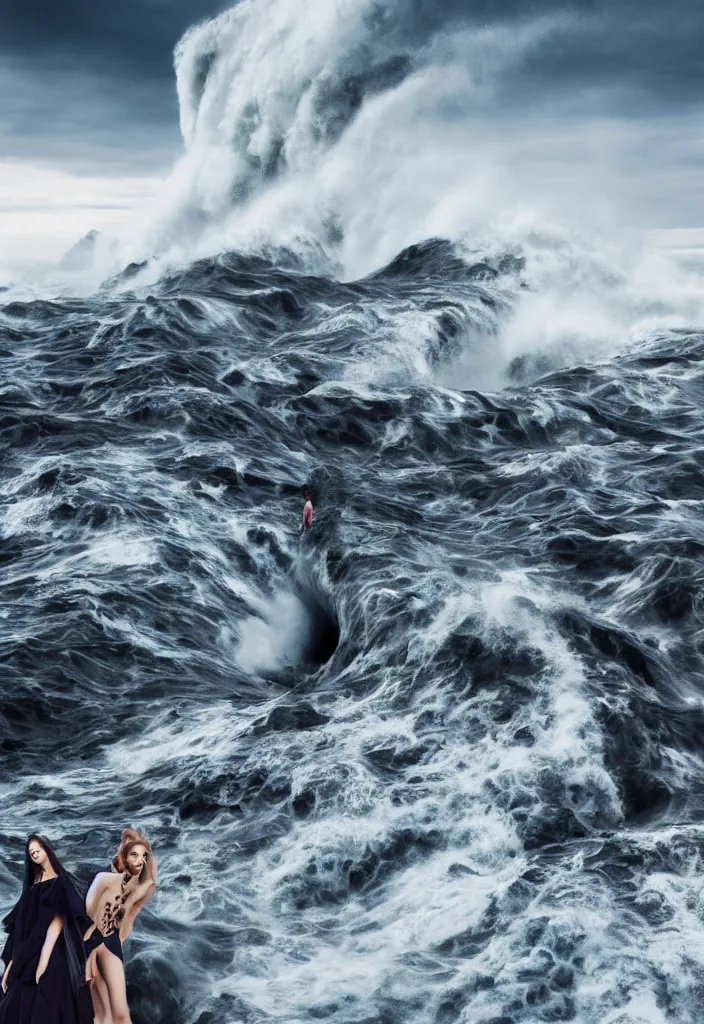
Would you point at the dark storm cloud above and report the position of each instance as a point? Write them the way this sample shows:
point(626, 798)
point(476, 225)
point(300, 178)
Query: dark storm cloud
point(654, 48)
point(89, 84)
point(92, 80)
point(84, 121)
point(130, 35)
point(646, 45)
point(650, 43)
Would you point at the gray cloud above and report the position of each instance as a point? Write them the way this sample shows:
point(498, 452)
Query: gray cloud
point(133, 36)
point(89, 85)
point(85, 122)
point(639, 45)
point(643, 42)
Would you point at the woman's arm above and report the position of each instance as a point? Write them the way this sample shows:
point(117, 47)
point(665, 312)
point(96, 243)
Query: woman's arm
point(52, 934)
point(9, 925)
point(7, 954)
point(145, 890)
point(142, 894)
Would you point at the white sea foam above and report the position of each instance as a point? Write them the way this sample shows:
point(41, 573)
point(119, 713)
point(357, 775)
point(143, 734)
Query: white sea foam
point(276, 636)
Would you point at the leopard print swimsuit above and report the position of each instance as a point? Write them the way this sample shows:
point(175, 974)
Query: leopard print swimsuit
point(114, 911)
point(106, 930)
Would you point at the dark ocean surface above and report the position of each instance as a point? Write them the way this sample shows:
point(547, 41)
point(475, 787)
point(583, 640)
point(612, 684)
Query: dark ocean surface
point(440, 759)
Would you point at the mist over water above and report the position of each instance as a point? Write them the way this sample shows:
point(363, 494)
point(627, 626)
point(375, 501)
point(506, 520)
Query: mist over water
point(369, 127)
point(440, 759)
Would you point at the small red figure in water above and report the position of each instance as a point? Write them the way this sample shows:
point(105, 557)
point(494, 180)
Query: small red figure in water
point(307, 511)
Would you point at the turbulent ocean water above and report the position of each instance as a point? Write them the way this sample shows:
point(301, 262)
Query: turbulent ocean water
point(439, 759)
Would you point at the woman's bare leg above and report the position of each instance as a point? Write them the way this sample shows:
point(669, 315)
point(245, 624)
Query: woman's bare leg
point(114, 975)
point(98, 991)
point(101, 999)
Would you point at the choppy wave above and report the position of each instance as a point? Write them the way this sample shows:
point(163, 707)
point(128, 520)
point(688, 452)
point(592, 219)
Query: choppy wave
point(439, 760)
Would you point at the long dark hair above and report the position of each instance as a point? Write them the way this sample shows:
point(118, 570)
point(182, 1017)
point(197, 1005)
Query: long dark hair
point(32, 871)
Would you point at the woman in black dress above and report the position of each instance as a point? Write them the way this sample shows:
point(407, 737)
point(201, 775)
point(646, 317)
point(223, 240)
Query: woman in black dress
point(44, 957)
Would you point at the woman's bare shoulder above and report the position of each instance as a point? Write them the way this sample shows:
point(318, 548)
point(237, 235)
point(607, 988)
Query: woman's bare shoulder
point(105, 879)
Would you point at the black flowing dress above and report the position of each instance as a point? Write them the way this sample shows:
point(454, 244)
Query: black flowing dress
point(61, 997)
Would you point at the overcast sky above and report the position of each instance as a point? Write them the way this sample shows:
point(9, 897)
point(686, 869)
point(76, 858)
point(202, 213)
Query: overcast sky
point(89, 121)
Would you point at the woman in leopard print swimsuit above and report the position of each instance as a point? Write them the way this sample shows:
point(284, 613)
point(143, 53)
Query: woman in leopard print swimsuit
point(112, 903)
